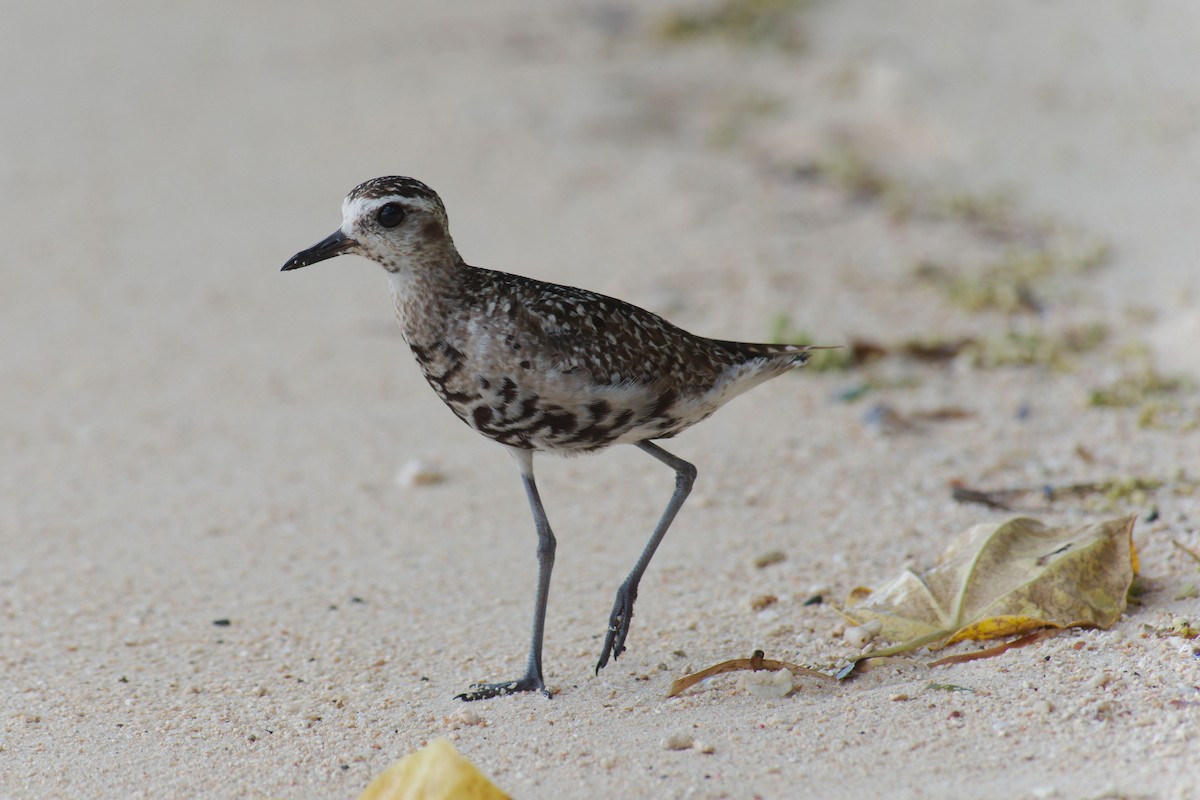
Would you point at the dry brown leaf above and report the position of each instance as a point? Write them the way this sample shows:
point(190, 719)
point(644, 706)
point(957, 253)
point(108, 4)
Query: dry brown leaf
point(992, 652)
point(754, 662)
point(1005, 580)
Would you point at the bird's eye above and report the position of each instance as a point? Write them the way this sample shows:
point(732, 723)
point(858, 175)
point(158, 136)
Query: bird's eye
point(390, 215)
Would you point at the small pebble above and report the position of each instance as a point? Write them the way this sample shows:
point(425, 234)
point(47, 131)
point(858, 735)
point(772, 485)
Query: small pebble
point(464, 718)
point(772, 557)
point(763, 601)
point(704, 747)
point(678, 741)
point(857, 636)
point(419, 473)
point(765, 684)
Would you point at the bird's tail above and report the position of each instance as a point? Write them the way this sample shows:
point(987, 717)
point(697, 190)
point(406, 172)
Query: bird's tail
point(798, 353)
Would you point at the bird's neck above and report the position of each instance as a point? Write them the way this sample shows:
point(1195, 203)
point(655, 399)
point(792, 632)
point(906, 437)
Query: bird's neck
point(426, 294)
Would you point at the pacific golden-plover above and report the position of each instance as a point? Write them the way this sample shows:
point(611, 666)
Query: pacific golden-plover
point(540, 367)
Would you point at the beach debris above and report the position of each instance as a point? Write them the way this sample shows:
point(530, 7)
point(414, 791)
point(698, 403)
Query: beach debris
point(463, 718)
point(416, 472)
point(1006, 579)
point(435, 772)
point(1016, 281)
point(755, 663)
point(1024, 498)
point(767, 685)
point(1033, 255)
point(1186, 549)
point(1162, 401)
point(1135, 388)
point(762, 601)
point(948, 687)
point(997, 499)
point(681, 740)
point(677, 741)
point(1057, 349)
point(770, 557)
point(1187, 591)
point(1182, 627)
point(747, 23)
point(887, 420)
point(857, 636)
point(992, 652)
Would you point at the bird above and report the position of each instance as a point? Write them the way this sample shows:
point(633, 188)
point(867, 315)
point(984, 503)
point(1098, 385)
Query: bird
point(543, 368)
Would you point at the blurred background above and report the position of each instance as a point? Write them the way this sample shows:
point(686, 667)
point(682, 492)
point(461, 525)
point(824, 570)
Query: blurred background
point(750, 168)
point(187, 433)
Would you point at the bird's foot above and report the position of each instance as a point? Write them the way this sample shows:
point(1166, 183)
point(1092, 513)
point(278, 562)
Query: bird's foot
point(486, 691)
point(618, 625)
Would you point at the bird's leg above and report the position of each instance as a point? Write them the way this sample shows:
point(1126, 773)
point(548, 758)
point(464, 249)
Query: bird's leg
point(532, 681)
point(618, 621)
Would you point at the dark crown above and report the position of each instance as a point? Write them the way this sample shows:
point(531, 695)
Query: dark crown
point(395, 186)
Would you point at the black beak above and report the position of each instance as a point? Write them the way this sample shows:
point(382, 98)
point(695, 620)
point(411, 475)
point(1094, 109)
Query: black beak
point(331, 246)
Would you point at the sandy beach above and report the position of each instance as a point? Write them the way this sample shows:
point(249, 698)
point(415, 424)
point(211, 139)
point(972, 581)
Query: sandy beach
point(214, 580)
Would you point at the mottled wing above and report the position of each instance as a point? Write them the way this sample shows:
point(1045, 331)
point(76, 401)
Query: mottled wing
point(574, 370)
point(614, 342)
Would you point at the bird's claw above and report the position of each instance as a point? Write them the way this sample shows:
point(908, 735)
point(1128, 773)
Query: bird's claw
point(618, 626)
point(486, 691)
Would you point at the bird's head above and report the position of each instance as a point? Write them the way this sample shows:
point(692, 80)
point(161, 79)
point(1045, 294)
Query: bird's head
point(399, 223)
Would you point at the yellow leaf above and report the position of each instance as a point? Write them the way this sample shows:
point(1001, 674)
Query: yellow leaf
point(858, 594)
point(1006, 579)
point(996, 627)
point(435, 772)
